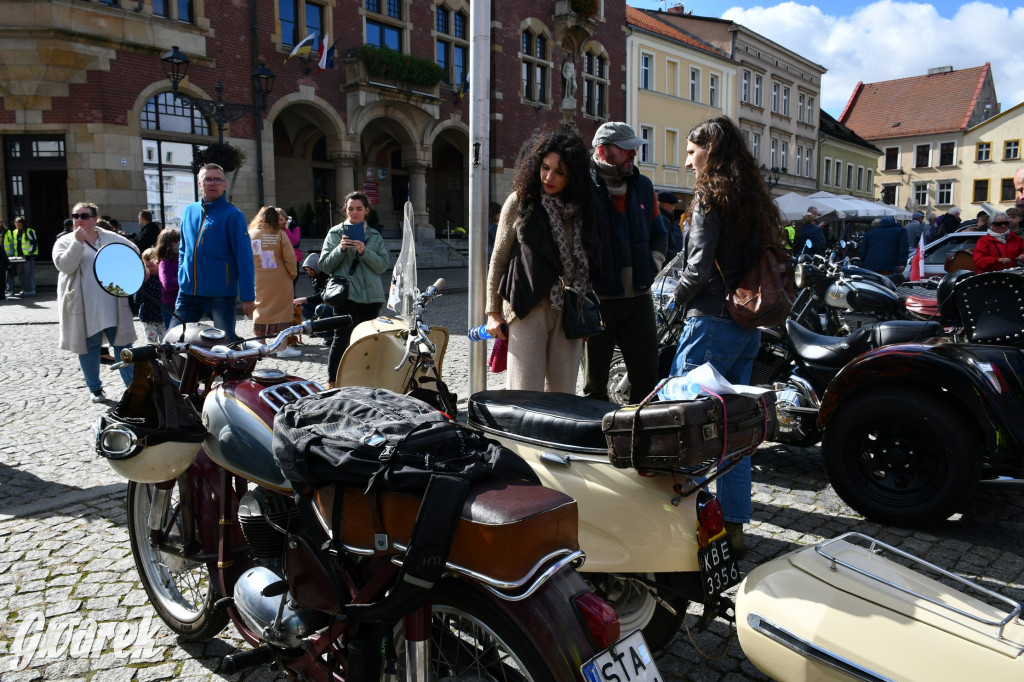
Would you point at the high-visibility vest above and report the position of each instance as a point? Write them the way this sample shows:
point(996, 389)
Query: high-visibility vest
point(29, 245)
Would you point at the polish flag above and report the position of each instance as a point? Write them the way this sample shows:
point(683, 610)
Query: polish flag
point(917, 264)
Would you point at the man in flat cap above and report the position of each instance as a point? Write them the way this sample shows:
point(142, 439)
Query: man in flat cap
point(633, 246)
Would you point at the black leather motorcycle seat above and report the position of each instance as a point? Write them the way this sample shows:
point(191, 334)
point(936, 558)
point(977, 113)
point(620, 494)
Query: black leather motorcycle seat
point(836, 351)
point(559, 419)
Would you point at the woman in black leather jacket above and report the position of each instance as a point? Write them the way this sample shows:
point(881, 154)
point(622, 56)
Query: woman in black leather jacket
point(732, 214)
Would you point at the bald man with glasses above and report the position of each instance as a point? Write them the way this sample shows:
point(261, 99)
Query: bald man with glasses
point(215, 265)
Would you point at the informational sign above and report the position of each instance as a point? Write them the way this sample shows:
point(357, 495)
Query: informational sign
point(382, 173)
point(371, 172)
point(372, 192)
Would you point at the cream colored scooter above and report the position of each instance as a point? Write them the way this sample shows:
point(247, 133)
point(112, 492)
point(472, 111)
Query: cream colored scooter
point(653, 543)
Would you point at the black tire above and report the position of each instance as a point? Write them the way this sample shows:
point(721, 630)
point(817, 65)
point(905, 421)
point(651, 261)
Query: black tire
point(638, 608)
point(903, 457)
point(181, 590)
point(473, 640)
point(618, 380)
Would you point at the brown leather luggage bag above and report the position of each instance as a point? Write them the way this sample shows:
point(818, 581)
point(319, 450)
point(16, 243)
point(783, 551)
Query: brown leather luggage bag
point(688, 435)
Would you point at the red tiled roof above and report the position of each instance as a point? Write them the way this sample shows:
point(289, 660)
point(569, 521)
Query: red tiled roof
point(920, 105)
point(644, 21)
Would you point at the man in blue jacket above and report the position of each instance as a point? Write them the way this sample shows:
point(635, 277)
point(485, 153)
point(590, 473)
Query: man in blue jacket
point(633, 244)
point(215, 264)
point(884, 248)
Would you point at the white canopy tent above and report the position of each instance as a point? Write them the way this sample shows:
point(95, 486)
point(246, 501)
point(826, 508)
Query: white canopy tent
point(793, 206)
point(857, 208)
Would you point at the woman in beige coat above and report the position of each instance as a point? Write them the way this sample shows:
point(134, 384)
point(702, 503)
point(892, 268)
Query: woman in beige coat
point(274, 260)
point(85, 312)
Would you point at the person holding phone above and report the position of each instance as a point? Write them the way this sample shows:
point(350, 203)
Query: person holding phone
point(357, 252)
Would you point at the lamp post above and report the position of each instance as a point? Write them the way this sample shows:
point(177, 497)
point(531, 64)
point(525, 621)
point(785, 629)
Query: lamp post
point(771, 175)
point(176, 68)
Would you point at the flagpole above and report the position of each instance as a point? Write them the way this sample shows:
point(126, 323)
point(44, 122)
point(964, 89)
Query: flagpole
point(479, 180)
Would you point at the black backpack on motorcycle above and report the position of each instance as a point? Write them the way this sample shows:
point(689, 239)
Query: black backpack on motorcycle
point(374, 438)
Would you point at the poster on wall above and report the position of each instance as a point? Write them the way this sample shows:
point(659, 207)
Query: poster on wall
point(372, 192)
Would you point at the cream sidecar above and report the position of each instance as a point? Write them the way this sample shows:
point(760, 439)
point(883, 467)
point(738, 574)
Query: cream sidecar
point(839, 610)
point(376, 348)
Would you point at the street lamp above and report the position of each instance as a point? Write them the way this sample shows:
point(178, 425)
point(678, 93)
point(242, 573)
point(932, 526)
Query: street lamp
point(176, 68)
point(771, 175)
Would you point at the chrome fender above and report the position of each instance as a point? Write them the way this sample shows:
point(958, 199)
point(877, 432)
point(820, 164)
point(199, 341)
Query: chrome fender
point(628, 522)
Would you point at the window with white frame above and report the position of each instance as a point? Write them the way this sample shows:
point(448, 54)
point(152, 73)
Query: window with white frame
point(757, 90)
point(799, 159)
point(1011, 150)
point(921, 193)
point(809, 114)
point(807, 162)
point(452, 47)
point(672, 148)
point(860, 178)
point(947, 153)
point(775, 97)
point(713, 91)
point(785, 101)
point(646, 68)
point(922, 155)
point(595, 84)
point(800, 108)
point(536, 66)
point(849, 176)
point(694, 85)
point(944, 193)
point(983, 151)
point(892, 158)
point(755, 146)
point(826, 172)
point(646, 151)
point(838, 179)
point(783, 153)
point(773, 152)
point(871, 180)
point(745, 86)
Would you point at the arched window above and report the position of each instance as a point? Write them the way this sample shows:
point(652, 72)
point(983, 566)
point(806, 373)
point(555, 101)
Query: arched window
point(536, 66)
point(172, 132)
point(595, 84)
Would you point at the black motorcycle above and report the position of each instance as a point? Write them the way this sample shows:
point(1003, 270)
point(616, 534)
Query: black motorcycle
point(910, 428)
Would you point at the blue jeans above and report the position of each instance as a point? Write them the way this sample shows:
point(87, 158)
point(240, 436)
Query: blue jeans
point(731, 350)
point(90, 360)
point(220, 309)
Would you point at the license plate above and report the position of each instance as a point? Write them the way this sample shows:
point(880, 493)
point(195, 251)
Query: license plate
point(718, 569)
point(628, 660)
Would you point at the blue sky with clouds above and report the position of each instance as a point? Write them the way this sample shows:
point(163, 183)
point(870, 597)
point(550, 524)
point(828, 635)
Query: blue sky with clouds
point(884, 39)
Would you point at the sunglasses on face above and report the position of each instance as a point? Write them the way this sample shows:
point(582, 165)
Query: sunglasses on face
point(1001, 223)
point(82, 216)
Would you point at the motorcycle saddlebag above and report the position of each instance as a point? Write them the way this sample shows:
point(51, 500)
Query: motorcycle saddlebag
point(690, 435)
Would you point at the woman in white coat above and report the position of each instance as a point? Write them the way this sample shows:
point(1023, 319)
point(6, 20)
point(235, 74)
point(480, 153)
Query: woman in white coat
point(85, 311)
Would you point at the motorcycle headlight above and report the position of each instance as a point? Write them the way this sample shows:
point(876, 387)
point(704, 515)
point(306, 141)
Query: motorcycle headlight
point(798, 276)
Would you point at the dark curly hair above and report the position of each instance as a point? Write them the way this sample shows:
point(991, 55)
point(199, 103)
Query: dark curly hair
point(731, 182)
point(567, 143)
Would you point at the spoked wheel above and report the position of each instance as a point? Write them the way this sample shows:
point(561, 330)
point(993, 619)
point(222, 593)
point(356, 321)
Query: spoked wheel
point(179, 588)
point(903, 458)
point(638, 607)
point(472, 640)
point(618, 380)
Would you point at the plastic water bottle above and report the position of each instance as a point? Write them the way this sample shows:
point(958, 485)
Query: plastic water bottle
point(677, 389)
point(481, 334)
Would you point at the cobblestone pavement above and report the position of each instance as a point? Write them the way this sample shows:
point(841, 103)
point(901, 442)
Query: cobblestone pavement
point(64, 549)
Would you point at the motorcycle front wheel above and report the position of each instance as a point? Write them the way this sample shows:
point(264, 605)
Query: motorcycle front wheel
point(634, 600)
point(180, 589)
point(618, 380)
point(903, 458)
point(472, 640)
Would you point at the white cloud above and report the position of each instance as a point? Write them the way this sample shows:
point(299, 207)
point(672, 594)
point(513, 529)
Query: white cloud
point(887, 40)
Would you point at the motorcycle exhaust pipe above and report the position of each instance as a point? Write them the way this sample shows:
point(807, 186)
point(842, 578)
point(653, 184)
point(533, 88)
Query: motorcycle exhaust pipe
point(245, 660)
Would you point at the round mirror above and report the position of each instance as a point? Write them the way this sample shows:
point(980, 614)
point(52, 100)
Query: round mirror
point(119, 270)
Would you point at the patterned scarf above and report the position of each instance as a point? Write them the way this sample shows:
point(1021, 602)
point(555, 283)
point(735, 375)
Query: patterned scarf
point(575, 264)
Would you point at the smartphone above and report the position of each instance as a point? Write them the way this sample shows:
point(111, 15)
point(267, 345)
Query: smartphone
point(357, 232)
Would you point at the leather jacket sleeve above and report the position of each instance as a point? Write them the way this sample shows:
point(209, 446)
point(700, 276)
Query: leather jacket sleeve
point(701, 243)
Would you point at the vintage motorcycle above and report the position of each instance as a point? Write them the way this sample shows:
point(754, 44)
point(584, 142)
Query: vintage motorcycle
point(854, 608)
point(654, 541)
point(218, 534)
point(910, 428)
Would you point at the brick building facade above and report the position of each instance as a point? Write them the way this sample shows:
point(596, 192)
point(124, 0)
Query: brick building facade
point(86, 111)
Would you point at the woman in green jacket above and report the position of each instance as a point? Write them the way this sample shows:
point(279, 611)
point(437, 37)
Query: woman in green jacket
point(356, 251)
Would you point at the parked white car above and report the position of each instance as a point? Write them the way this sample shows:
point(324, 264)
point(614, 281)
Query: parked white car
point(935, 253)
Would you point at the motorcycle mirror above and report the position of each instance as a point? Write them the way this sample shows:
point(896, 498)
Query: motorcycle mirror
point(842, 243)
point(808, 244)
point(119, 270)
